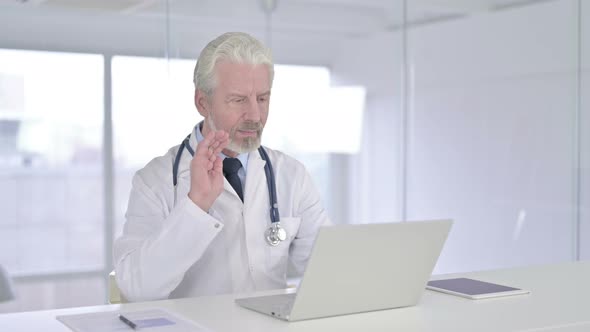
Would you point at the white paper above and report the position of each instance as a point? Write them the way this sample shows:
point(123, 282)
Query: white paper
point(109, 321)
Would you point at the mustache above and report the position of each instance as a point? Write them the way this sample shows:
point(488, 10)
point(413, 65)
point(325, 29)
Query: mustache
point(250, 125)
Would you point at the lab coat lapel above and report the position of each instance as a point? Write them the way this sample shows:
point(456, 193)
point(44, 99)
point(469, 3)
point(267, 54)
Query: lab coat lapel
point(256, 215)
point(255, 180)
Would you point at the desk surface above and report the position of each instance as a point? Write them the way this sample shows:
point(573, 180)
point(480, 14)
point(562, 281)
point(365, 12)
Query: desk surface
point(560, 301)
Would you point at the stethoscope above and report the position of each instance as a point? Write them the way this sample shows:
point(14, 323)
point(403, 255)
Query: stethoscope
point(275, 233)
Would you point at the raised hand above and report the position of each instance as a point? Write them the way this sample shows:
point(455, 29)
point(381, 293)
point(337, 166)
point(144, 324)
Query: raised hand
point(207, 170)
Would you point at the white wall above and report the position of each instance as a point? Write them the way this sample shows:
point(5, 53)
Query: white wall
point(491, 133)
point(492, 142)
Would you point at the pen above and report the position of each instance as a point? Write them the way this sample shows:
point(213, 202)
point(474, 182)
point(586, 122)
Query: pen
point(127, 322)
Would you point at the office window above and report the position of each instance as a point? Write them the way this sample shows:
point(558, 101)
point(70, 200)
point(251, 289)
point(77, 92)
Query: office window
point(309, 115)
point(51, 191)
point(153, 110)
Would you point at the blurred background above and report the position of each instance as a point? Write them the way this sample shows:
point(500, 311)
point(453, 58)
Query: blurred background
point(475, 110)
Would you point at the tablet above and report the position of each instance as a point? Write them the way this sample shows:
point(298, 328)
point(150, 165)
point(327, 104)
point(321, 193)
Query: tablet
point(473, 289)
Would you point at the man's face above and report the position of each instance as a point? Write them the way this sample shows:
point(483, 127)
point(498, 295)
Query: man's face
point(238, 105)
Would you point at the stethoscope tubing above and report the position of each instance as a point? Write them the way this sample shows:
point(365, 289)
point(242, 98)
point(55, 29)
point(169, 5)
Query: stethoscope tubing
point(268, 171)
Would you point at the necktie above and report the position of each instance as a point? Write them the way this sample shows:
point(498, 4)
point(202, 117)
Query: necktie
point(230, 171)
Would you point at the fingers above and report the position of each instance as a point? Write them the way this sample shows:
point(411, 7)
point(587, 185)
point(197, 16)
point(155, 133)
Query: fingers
point(212, 144)
point(220, 141)
point(203, 146)
point(218, 166)
point(215, 168)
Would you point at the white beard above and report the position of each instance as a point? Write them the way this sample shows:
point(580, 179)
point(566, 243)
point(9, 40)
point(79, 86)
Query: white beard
point(248, 144)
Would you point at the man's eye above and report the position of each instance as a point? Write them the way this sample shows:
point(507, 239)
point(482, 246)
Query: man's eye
point(239, 100)
point(262, 99)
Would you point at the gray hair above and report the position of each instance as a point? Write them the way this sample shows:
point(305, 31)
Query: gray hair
point(236, 47)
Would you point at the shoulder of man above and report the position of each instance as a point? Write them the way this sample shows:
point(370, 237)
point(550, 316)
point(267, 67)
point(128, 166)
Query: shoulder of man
point(159, 169)
point(285, 164)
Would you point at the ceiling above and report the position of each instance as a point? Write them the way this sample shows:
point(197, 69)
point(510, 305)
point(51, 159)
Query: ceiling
point(352, 17)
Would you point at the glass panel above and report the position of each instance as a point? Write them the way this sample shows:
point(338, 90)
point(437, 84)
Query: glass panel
point(164, 107)
point(149, 116)
point(492, 133)
point(585, 130)
point(364, 55)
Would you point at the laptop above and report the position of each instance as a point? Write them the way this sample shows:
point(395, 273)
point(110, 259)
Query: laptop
point(360, 268)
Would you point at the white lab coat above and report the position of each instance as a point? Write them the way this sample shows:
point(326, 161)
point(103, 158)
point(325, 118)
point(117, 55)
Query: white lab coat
point(169, 251)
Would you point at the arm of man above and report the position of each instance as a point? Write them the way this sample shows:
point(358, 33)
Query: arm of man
point(159, 243)
point(157, 248)
point(313, 216)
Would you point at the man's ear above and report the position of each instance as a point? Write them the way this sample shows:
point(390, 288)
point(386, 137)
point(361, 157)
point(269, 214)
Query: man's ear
point(202, 103)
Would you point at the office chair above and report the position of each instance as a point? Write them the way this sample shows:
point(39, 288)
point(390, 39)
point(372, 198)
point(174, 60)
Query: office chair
point(115, 296)
point(6, 287)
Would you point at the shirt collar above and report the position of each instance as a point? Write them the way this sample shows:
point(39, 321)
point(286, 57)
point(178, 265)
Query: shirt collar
point(243, 157)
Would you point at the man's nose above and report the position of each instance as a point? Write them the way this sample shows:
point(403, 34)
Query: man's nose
point(252, 110)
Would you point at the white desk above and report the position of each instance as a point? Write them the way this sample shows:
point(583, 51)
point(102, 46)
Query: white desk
point(560, 301)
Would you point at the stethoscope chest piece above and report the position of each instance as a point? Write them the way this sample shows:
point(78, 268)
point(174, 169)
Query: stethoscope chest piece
point(275, 234)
